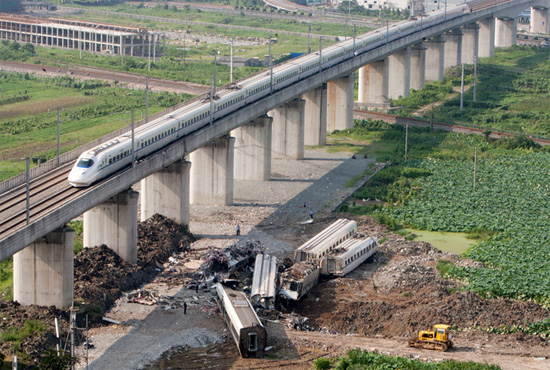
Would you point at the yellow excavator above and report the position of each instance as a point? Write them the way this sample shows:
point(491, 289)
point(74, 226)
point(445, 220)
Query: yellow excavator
point(439, 338)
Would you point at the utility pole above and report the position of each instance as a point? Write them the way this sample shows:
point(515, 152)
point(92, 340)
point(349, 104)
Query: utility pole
point(462, 90)
point(133, 141)
point(406, 140)
point(475, 78)
point(149, 53)
point(147, 99)
point(475, 166)
point(308, 37)
point(211, 100)
point(58, 135)
point(231, 63)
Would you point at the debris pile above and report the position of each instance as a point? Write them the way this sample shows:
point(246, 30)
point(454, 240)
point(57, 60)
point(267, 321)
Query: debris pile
point(231, 258)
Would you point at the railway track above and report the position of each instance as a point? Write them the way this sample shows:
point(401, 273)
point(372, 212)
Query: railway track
point(46, 193)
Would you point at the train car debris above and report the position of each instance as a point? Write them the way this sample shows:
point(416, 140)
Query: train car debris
point(328, 239)
point(298, 280)
point(264, 282)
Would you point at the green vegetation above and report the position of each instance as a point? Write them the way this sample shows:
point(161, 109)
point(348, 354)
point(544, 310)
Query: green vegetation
point(512, 93)
point(6, 279)
point(78, 227)
point(91, 109)
point(16, 334)
point(358, 359)
point(434, 190)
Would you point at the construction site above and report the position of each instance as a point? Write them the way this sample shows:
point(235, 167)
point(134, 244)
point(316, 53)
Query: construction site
point(83, 36)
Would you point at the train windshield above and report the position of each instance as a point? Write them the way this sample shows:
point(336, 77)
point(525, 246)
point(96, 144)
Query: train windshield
point(85, 163)
point(252, 341)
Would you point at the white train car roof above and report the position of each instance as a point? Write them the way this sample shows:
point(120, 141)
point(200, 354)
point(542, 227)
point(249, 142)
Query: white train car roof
point(350, 246)
point(238, 308)
point(334, 231)
point(265, 276)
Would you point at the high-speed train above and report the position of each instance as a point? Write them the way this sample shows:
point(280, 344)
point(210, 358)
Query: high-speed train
point(107, 158)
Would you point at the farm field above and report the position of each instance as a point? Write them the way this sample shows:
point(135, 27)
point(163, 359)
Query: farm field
point(90, 109)
point(508, 209)
point(512, 93)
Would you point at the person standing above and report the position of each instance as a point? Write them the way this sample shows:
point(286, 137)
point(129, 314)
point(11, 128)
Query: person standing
point(185, 308)
point(311, 214)
point(238, 230)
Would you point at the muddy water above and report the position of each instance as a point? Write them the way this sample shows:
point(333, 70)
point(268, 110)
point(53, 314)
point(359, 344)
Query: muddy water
point(214, 356)
point(448, 242)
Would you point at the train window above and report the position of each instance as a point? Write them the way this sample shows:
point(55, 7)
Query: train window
point(252, 341)
point(85, 163)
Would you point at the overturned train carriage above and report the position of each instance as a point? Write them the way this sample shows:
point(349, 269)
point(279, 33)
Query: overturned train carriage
point(298, 280)
point(264, 281)
point(348, 256)
point(244, 324)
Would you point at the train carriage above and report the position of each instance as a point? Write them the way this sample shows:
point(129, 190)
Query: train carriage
point(244, 324)
point(298, 280)
point(332, 236)
point(264, 281)
point(348, 256)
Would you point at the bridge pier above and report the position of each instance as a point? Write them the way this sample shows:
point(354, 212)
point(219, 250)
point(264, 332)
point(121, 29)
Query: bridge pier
point(253, 150)
point(43, 272)
point(453, 48)
point(400, 73)
point(167, 192)
point(315, 116)
point(340, 95)
point(212, 173)
point(506, 32)
point(373, 84)
point(418, 66)
point(486, 39)
point(539, 20)
point(114, 223)
point(287, 139)
point(470, 43)
point(435, 59)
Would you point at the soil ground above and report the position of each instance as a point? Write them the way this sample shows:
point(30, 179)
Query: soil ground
point(377, 307)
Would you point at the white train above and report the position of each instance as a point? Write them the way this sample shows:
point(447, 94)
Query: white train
point(348, 256)
point(244, 324)
point(316, 248)
point(105, 159)
point(264, 281)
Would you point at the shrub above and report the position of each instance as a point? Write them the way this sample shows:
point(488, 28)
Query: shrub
point(321, 364)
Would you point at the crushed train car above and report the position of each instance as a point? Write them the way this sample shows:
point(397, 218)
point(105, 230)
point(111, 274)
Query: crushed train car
point(298, 280)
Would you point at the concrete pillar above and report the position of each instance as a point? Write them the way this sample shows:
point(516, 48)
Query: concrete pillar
point(539, 20)
point(470, 43)
point(486, 39)
point(400, 73)
point(315, 116)
point(506, 32)
point(340, 95)
point(453, 48)
point(435, 59)
point(167, 193)
point(114, 223)
point(287, 139)
point(212, 173)
point(373, 84)
point(43, 272)
point(418, 66)
point(253, 150)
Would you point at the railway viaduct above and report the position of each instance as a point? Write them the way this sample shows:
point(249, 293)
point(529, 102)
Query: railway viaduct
point(200, 167)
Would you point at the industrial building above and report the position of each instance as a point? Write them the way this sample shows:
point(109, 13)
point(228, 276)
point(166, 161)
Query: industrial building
point(82, 35)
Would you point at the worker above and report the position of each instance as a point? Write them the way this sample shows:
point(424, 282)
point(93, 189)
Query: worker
point(311, 214)
point(238, 230)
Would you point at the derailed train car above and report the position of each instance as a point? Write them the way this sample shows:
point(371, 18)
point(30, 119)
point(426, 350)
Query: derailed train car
point(264, 282)
point(298, 280)
point(244, 324)
point(348, 256)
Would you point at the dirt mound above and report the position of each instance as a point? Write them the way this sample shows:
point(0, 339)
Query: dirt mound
point(100, 277)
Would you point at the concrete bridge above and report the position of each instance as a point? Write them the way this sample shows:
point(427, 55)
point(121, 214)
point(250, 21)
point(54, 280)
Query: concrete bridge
point(200, 167)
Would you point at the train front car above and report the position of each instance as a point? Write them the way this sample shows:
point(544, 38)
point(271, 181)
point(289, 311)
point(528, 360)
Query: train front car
point(85, 171)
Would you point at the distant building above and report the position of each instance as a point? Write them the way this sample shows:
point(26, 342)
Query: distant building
point(81, 35)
